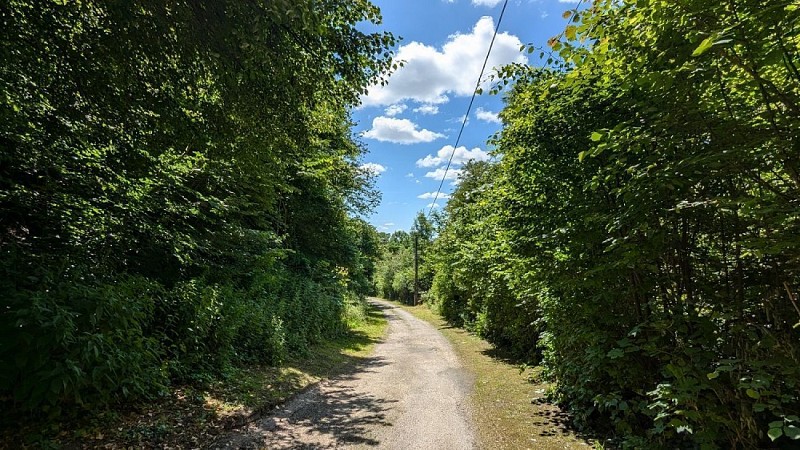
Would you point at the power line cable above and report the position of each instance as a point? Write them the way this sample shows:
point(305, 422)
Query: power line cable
point(469, 108)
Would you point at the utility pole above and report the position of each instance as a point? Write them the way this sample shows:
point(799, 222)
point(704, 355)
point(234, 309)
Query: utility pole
point(416, 268)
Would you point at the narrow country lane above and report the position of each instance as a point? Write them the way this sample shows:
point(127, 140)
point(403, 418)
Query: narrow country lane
point(410, 394)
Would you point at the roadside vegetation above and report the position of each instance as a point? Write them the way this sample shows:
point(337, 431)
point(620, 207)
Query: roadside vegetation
point(639, 233)
point(192, 416)
point(180, 198)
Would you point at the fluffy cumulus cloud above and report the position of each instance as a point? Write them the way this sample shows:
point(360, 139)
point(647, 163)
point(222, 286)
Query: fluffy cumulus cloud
point(428, 110)
point(373, 168)
point(394, 110)
point(489, 3)
point(461, 156)
point(431, 75)
point(487, 116)
point(399, 131)
point(432, 195)
point(438, 174)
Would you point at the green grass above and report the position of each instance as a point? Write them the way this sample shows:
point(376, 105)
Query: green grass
point(507, 407)
point(192, 416)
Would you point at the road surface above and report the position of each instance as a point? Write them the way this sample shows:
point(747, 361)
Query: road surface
point(410, 394)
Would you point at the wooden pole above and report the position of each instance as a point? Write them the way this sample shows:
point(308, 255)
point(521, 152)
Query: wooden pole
point(416, 269)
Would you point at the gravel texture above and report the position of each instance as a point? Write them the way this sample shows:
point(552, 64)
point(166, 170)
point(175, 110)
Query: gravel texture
point(412, 393)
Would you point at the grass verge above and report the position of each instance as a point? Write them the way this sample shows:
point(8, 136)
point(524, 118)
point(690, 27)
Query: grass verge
point(190, 417)
point(508, 408)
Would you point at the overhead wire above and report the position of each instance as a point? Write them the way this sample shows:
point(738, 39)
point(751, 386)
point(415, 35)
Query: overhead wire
point(575, 11)
point(469, 108)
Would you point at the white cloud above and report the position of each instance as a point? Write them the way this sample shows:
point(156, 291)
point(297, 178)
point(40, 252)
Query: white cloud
point(459, 119)
point(428, 110)
point(437, 174)
point(430, 75)
point(409, 175)
point(487, 116)
point(432, 205)
point(461, 156)
point(432, 195)
point(489, 3)
point(394, 110)
point(399, 131)
point(373, 168)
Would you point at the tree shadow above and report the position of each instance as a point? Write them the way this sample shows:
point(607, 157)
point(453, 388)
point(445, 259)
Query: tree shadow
point(327, 415)
point(553, 421)
point(549, 419)
point(504, 356)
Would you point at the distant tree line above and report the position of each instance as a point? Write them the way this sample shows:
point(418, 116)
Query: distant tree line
point(394, 273)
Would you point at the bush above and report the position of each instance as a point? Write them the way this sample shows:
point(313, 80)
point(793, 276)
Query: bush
point(70, 341)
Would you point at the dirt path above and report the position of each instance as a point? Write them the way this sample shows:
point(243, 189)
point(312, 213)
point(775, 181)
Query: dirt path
point(411, 394)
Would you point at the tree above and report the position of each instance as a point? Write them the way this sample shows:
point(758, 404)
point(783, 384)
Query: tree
point(161, 167)
point(642, 215)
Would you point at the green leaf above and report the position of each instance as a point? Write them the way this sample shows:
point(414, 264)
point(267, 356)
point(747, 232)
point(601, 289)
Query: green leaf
point(712, 375)
point(709, 42)
point(704, 46)
point(792, 432)
point(615, 353)
point(775, 433)
point(752, 393)
point(571, 32)
point(676, 423)
point(597, 136)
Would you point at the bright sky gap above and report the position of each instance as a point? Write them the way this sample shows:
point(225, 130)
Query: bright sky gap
point(469, 108)
point(406, 123)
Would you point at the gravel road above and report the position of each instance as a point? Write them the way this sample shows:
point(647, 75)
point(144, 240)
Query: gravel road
point(410, 394)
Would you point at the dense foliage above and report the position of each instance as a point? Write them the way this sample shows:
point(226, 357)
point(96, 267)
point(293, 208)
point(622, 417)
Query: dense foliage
point(178, 189)
point(641, 231)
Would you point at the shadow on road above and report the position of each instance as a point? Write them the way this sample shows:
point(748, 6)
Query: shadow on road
point(326, 415)
point(341, 416)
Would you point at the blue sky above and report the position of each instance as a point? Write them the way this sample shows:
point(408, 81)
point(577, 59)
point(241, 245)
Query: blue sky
point(410, 125)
